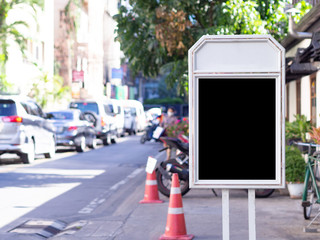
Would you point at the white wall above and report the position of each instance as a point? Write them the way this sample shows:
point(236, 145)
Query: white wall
point(293, 51)
point(318, 97)
point(95, 48)
point(305, 96)
point(292, 100)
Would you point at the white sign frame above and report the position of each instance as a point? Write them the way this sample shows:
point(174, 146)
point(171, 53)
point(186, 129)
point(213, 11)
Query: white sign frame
point(236, 57)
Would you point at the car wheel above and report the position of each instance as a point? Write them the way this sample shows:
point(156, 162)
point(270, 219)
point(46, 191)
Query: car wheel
point(106, 141)
point(29, 157)
point(52, 152)
point(114, 139)
point(82, 144)
point(93, 143)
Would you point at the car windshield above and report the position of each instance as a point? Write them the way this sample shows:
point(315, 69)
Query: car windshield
point(130, 110)
point(7, 108)
point(85, 106)
point(62, 115)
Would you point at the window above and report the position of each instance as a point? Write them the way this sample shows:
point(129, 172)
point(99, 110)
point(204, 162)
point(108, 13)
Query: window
point(108, 108)
point(313, 101)
point(62, 115)
point(34, 109)
point(7, 108)
point(85, 106)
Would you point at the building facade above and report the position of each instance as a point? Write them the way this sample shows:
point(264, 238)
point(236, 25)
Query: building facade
point(87, 54)
point(302, 68)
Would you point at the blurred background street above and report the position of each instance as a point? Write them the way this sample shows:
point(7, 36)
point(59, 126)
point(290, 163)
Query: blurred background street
point(87, 87)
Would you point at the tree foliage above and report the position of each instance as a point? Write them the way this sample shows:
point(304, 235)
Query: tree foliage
point(46, 88)
point(156, 34)
point(10, 30)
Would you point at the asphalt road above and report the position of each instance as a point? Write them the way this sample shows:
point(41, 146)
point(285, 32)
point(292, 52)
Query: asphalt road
point(71, 188)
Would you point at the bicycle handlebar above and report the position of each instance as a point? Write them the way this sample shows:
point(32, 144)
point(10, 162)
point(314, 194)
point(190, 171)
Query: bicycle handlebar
point(309, 145)
point(306, 144)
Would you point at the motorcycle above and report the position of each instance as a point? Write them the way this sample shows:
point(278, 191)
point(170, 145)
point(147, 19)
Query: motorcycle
point(180, 165)
point(149, 131)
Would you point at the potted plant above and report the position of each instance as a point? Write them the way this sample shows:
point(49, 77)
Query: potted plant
point(297, 131)
point(295, 171)
point(315, 135)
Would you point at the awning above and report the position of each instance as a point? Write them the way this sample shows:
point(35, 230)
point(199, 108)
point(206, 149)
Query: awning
point(306, 61)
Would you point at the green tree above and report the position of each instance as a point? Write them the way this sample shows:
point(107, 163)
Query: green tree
point(10, 30)
point(156, 34)
point(45, 88)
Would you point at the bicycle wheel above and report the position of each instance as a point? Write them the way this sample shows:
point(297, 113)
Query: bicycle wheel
point(309, 202)
point(263, 193)
point(310, 193)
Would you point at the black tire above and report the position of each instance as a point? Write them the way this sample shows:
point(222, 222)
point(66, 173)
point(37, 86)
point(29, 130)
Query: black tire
point(29, 157)
point(143, 138)
point(82, 144)
point(107, 140)
point(93, 144)
point(164, 184)
point(52, 152)
point(114, 139)
point(263, 193)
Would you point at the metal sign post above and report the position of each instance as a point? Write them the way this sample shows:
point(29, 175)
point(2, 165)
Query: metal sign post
point(252, 214)
point(236, 101)
point(225, 215)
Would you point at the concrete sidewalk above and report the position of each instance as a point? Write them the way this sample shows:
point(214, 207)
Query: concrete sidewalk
point(278, 217)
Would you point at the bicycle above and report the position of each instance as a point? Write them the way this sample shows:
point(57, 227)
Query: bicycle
point(310, 195)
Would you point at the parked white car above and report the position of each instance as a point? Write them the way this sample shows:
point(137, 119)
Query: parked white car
point(25, 129)
point(134, 116)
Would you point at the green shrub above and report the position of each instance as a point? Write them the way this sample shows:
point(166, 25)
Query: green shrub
point(163, 101)
point(298, 129)
point(295, 165)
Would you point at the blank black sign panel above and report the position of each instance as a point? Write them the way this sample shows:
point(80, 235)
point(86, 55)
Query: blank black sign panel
point(237, 129)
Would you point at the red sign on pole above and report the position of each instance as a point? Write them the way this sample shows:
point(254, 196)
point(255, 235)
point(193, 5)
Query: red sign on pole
point(77, 76)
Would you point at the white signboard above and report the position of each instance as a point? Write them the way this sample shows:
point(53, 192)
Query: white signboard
point(151, 164)
point(236, 112)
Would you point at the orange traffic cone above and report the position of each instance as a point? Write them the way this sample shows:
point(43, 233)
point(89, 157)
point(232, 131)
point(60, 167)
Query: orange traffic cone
point(151, 194)
point(176, 226)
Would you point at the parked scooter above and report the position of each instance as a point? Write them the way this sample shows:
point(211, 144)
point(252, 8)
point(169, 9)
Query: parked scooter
point(180, 165)
point(148, 133)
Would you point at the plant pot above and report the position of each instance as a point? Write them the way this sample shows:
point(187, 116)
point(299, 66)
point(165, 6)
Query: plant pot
point(295, 190)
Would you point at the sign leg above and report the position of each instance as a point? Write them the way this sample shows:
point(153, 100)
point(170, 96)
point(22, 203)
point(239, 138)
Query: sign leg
point(252, 214)
point(225, 214)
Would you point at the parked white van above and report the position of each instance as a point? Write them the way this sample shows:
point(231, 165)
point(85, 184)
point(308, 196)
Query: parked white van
point(134, 116)
point(118, 111)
